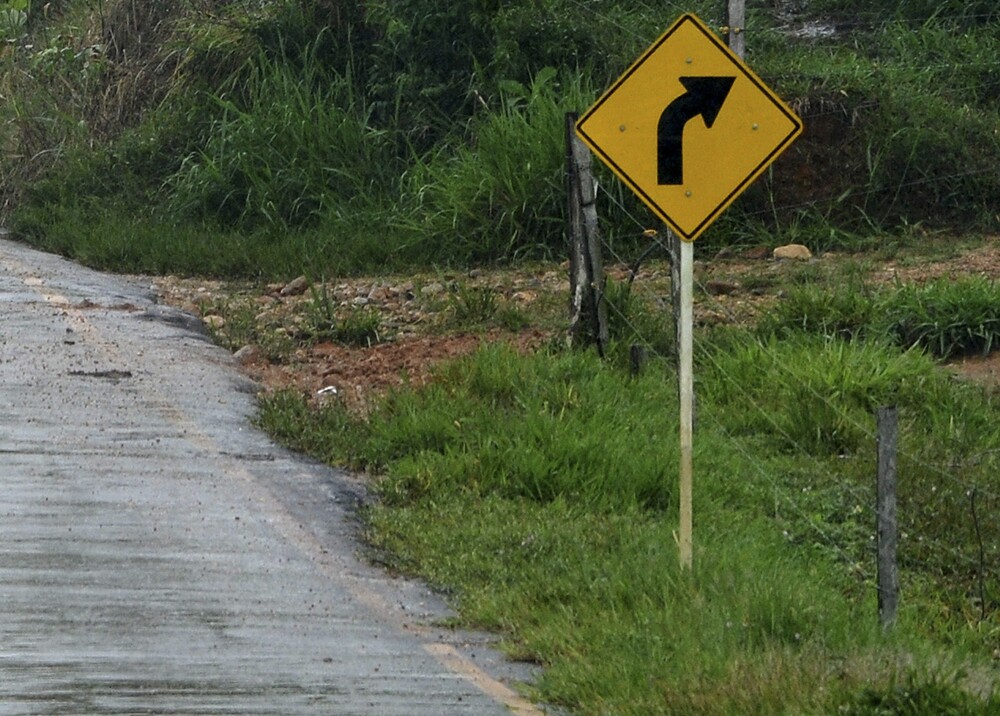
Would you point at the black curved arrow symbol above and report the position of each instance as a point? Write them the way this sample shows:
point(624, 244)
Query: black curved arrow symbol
point(705, 96)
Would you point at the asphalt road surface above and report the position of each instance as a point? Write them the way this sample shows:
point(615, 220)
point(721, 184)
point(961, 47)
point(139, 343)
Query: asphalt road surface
point(159, 555)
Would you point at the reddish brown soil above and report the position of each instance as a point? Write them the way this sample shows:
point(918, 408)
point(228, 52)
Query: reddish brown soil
point(418, 314)
point(357, 374)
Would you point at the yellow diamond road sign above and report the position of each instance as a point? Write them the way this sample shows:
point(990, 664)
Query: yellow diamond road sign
point(688, 127)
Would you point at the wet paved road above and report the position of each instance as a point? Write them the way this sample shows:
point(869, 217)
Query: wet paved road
point(159, 556)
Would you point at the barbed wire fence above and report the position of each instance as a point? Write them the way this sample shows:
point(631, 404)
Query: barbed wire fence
point(964, 493)
point(967, 555)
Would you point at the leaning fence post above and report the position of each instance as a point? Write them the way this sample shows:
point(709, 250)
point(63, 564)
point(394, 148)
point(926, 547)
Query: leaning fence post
point(736, 27)
point(885, 510)
point(588, 312)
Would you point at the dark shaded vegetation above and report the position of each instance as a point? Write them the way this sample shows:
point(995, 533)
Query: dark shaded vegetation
point(367, 135)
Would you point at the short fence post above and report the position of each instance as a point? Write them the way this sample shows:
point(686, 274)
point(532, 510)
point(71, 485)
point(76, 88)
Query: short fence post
point(636, 359)
point(885, 509)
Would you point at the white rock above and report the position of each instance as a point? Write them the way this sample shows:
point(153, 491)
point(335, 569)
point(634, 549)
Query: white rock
point(247, 354)
point(795, 252)
point(295, 287)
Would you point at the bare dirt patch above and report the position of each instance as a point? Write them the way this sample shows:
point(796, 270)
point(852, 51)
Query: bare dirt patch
point(422, 321)
point(427, 319)
point(357, 374)
point(981, 369)
point(982, 260)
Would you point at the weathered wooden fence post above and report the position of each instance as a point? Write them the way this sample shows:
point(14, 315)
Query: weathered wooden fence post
point(673, 248)
point(588, 312)
point(885, 509)
point(736, 14)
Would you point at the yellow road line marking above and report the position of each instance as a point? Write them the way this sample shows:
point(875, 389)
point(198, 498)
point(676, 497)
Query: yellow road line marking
point(454, 661)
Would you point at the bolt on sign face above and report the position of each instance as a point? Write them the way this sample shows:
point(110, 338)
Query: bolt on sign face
point(688, 127)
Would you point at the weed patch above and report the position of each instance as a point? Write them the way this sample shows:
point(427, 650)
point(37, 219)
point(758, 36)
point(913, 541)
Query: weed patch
point(918, 698)
point(539, 492)
point(947, 318)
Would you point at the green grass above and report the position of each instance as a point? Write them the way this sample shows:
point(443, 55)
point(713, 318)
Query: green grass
point(325, 320)
point(598, 600)
point(498, 194)
point(540, 493)
point(118, 237)
point(948, 318)
point(298, 147)
point(814, 398)
point(813, 394)
point(398, 137)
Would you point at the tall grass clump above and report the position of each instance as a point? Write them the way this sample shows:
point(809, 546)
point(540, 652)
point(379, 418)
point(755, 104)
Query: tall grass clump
point(947, 317)
point(963, 12)
point(813, 399)
point(302, 147)
point(900, 129)
point(810, 392)
point(929, 156)
point(849, 312)
point(499, 191)
point(437, 65)
point(632, 321)
point(521, 427)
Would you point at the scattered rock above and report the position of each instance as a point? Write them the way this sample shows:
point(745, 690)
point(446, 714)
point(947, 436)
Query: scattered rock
point(721, 288)
point(432, 289)
point(754, 253)
point(214, 321)
point(757, 253)
point(295, 287)
point(247, 354)
point(795, 252)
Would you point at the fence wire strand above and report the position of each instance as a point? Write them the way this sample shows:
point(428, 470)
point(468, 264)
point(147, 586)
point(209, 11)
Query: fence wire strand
point(960, 560)
point(957, 489)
